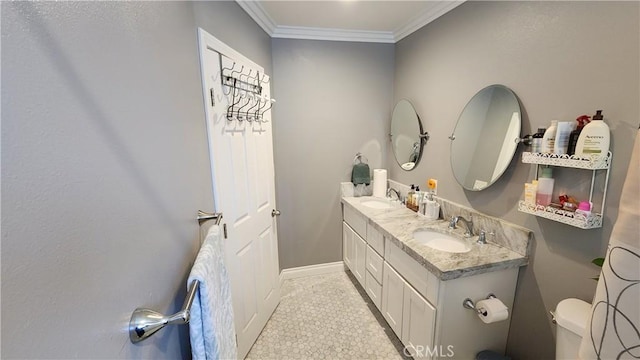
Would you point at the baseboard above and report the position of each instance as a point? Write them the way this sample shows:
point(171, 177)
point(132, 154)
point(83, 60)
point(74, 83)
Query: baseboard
point(311, 270)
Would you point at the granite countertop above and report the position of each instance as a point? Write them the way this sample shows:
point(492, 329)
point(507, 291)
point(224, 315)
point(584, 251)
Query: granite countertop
point(398, 224)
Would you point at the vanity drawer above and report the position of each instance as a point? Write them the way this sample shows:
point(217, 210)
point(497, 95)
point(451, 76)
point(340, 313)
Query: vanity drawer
point(418, 276)
point(356, 221)
point(374, 289)
point(374, 264)
point(375, 239)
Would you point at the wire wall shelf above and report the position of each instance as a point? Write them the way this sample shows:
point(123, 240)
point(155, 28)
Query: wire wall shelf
point(566, 217)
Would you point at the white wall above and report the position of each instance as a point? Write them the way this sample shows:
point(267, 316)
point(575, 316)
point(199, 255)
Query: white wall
point(333, 100)
point(104, 166)
point(562, 59)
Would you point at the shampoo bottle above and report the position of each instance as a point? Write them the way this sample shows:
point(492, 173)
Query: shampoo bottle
point(549, 138)
point(594, 138)
point(536, 140)
point(544, 191)
point(573, 138)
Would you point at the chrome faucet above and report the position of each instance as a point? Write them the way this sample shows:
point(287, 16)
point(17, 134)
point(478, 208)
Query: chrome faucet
point(390, 190)
point(468, 223)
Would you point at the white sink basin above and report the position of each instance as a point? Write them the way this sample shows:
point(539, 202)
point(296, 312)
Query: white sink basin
point(442, 242)
point(377, 203)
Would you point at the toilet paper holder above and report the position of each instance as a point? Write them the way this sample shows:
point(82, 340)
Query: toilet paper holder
point(469, 304)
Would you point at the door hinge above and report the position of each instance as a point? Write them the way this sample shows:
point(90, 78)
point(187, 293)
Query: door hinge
point(213, 98)
point(224, 230)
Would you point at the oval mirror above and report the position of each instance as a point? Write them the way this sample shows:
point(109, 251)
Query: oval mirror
point(407, 138)
point(485, 138)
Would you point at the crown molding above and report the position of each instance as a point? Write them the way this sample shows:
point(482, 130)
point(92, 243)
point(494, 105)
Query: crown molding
point(259, 15)
point(257, 12)
point(309, 33)
point(426, 17)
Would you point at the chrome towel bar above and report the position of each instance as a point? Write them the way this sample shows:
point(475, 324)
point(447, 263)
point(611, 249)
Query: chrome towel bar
point(146, 322)
point(204, 216)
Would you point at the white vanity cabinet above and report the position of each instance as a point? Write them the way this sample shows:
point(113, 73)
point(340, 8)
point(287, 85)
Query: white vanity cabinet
point(407, 310)
point(409, 314)
point(354, 253)
point(363, 257)
point(424, 311)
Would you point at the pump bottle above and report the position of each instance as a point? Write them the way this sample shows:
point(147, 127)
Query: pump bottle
point(573, 138)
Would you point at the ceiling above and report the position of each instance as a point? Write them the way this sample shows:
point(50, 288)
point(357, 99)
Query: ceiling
point(345, 20)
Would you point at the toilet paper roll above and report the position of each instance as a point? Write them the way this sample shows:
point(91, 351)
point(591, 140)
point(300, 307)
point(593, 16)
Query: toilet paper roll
point(492, 310)
point(380, 183)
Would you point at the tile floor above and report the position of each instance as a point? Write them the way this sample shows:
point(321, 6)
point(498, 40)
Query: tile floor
point(325, 317)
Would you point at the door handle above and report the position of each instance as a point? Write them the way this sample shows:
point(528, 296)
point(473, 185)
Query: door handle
point(275, 213)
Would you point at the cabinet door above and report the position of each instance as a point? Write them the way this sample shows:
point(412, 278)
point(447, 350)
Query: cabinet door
point(418, 320)
point(392, 298)
point(347, 245)
point(359, 258)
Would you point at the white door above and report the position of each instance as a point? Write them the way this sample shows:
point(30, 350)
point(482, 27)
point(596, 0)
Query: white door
point(241, 154)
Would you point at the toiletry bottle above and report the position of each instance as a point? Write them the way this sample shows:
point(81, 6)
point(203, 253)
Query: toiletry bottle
point(416, 198)
point(536, 140)
point(530, 190)
point(432, 208)
point(410, 196)
point(564, 129)
point(422, 203)
point(594, 138)
point(544, 189)
point(573, 138)
point(549, 138)
point(584, 208)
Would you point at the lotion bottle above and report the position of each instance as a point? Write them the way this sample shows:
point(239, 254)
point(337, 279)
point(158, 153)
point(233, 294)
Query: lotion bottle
point(594, 138)
point(549, 138)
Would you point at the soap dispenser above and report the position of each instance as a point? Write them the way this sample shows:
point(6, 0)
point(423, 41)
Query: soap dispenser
point(410, 196)
point(431, 207)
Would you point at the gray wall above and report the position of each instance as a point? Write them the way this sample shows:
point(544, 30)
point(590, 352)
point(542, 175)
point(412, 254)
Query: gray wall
point(334, 100)
point(562, 59)
point(104, 165)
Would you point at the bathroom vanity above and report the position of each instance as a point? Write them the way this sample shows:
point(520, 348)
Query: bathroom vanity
point(420, 290)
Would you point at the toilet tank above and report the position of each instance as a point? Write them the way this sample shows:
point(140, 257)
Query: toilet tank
point(571, 316)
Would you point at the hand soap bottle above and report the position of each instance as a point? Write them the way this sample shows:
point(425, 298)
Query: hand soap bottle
point(544, 189)
point(594, 138)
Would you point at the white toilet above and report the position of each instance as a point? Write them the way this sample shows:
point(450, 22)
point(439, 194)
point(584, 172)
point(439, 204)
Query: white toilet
point(571, 316)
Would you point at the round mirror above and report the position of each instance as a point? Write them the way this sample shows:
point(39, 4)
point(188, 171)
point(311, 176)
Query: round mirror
point(407, 138)
point(485, 138)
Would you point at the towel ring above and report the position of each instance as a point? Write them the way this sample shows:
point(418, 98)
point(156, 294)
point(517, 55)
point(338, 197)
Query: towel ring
point(361, 158)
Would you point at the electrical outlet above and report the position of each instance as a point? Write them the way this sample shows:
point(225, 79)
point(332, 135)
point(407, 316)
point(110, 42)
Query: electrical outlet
point(432, 185)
